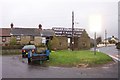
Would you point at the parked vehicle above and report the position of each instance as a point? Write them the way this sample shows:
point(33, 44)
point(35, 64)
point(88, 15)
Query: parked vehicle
point(28, 48)
point(43, 56)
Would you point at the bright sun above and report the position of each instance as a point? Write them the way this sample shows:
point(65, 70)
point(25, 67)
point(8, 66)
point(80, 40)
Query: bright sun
point(95, 23)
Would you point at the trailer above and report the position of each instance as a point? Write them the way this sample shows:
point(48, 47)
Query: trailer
point(43, 56)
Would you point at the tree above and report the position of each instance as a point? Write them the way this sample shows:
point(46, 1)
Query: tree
point(98, 40)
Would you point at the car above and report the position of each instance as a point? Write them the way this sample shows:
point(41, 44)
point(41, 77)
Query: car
point(28, 48)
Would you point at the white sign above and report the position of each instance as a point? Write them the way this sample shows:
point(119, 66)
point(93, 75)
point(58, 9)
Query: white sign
point(95, 23)
point(44, 40)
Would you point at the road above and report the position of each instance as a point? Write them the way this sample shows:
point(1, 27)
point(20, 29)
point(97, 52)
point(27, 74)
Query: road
point(15, 67)
point(111, 51)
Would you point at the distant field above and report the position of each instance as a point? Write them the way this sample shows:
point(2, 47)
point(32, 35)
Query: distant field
point(74, 58)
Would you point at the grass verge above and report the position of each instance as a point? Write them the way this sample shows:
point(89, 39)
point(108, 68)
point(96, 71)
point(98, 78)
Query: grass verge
point(74, 58)
point(66, 58)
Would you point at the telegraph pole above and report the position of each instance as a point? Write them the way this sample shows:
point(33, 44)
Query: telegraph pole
point(95, 45)
point(72, 40)
point(105, 37)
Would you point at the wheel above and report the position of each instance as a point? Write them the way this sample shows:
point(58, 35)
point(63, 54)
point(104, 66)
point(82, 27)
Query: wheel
point(41, 62)
point(29, 60)
point(23, 56)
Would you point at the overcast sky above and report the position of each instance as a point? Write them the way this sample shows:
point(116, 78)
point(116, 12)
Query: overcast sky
point(55, 13)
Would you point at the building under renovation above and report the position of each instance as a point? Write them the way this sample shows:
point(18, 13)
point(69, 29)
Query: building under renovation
point(76, 39)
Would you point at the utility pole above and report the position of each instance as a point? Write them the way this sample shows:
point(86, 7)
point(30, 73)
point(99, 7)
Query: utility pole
point(95, 45)
point(105, 37)
point(72, 40)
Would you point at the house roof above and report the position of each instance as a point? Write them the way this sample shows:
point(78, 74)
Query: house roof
point(109, 38)
point(25, 31)
point(5, 32)
point(47, 32)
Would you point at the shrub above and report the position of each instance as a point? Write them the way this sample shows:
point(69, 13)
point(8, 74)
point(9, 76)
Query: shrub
point(13, 41)
point(11, 52)
point(12, 47)
point(118, 45)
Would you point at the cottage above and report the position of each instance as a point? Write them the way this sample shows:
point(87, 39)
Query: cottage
point(26, 35)
point(5, 36)
point(21, 35)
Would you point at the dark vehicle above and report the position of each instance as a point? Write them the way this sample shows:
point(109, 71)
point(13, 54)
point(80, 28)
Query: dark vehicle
point(28, 48)
point(118, 45)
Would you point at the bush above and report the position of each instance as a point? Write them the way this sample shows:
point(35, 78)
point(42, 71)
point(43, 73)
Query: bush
point(13, 41)
point(11, 52)
point(12, 47)
point(91, 45)
point(118, 45)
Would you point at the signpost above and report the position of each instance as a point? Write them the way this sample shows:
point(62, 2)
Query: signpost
point(95, 23)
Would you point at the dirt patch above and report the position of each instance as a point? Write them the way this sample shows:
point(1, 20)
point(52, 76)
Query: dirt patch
point(101, 65)
point(82, 65)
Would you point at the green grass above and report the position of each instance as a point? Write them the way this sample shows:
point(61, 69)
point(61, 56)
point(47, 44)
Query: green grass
point(66, 58)
point(73, 58)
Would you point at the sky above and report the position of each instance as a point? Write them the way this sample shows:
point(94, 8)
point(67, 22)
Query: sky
point(58, 13)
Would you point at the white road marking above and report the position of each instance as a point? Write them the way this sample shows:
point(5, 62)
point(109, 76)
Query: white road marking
point(114, 58)
point(105, 67)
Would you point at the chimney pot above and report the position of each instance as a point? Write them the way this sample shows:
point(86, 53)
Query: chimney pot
point(40, 26)
point(11, 25)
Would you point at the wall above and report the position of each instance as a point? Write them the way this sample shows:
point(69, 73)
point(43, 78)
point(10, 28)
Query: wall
point(63, 43)
point(25, 39)
point(37, 40)
point(84, 41)
point(6, 42)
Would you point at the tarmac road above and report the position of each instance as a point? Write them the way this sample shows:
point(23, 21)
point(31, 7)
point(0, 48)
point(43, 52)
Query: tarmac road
point(111, 51)
point(14, 67)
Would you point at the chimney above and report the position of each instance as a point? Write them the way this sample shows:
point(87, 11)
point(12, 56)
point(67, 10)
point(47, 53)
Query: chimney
point(40, 26)
point(11, 25)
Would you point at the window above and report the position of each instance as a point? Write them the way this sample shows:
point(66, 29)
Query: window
point(3, 39)
point(84, 44)
point(31, 38)
point(60, 43)
point(18, 38)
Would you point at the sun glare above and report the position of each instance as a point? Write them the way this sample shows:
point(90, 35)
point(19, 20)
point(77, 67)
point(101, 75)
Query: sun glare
point(95, 23)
